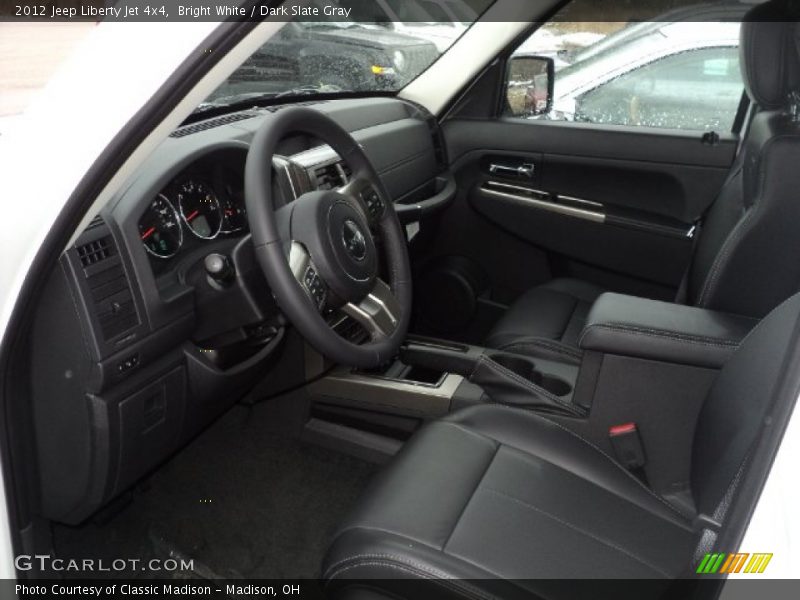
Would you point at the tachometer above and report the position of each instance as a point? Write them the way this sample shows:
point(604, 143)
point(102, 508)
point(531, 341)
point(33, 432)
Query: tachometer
point(160, 228)
point(233, 210)
point(200, 209)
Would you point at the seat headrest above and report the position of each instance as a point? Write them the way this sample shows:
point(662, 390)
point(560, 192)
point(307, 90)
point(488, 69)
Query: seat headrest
point(770, 53)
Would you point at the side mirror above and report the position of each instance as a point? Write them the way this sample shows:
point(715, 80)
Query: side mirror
point(529, 85)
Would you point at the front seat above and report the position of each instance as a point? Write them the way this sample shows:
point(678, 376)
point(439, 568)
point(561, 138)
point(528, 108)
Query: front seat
point(745, 258)
point(495, 501)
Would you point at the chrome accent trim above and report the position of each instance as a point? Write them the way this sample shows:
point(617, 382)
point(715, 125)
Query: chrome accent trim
point(282, 163)
point(548, 205)
point(581, 201)
point(342, 387)
point(526, 170)
point(376, 313)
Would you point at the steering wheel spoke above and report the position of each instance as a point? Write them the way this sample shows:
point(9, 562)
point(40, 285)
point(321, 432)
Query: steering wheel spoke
point(361, 191)
point(307, 276)
point(319, 251)
point(378, 312)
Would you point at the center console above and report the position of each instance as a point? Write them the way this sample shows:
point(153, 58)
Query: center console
point(647, 365)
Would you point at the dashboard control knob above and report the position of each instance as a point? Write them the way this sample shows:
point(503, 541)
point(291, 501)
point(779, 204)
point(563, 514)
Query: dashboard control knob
point(219, 269)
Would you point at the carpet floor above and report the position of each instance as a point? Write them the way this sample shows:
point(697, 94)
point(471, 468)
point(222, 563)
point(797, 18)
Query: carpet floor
point(240, 500)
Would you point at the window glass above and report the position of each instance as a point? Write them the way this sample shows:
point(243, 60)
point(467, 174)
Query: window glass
point(661, 73)
point(695, 89)
point(367, 52)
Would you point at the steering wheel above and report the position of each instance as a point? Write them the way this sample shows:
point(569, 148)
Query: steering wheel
point(318, 252)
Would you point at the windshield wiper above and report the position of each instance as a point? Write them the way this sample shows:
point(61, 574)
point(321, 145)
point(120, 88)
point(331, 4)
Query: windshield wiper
point(252, 99)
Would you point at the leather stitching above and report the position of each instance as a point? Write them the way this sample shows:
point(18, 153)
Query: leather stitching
point(553, 346)
point(574, 527)
point(722, 257)
point(622, 469)
point(660, 333)
point(471, 496)
point(742, 227)
point(530, 386)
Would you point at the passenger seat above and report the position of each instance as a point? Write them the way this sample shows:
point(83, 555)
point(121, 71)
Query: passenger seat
point(745, 261)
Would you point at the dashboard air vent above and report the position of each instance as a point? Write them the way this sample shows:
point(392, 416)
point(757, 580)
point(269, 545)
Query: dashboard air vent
point(210, 124)
point(107, 291)
point(96, 251)
point(330, 176)
point(113, 303)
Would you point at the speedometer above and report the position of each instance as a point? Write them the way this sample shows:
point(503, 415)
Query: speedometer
point(200, 209)
point(160, 228)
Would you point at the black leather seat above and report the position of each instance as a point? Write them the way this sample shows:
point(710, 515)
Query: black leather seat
point(493, 494)
point(745, 259)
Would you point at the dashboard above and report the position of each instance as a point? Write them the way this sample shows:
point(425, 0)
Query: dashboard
point(156, 348)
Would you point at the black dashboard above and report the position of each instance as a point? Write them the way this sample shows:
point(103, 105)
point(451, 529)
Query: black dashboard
point(156, 348)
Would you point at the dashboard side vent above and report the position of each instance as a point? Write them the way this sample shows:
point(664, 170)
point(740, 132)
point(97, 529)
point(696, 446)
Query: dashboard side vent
point(210, 124)
point(107, 291)
point(95, 251)
point(111, 296)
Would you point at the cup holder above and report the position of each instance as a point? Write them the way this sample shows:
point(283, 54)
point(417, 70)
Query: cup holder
point(526, 368)
point(516, 364)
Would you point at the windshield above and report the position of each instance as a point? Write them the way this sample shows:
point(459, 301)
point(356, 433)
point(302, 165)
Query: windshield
point(372, 49)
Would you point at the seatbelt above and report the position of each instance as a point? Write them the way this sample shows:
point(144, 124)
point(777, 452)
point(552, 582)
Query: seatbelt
point(694, 233)
point(744, 117)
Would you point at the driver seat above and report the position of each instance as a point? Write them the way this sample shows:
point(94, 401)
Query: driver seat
point(496, 501)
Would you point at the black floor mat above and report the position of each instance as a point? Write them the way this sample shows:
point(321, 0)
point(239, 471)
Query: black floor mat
point(241, 501)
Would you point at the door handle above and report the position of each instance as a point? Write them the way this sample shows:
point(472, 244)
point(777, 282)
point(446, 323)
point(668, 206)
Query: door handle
point(524, 171)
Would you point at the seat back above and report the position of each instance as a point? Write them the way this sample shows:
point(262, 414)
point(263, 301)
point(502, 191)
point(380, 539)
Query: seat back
point(735, 408)
point(746, 257)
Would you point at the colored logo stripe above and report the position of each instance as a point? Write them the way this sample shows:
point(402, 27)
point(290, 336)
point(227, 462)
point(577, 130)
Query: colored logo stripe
point(733, 563)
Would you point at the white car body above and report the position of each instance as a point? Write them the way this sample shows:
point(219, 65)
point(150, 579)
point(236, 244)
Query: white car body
point(50, 148)
point(669, 40)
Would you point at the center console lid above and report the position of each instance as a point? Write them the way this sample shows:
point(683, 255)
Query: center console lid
point(663, 331)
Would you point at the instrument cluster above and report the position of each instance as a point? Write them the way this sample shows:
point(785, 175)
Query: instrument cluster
point(191, 207)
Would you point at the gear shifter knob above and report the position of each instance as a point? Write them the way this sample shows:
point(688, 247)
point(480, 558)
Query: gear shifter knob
point(219, 269)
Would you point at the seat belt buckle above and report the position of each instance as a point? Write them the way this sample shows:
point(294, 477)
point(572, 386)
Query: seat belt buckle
point(627, 445)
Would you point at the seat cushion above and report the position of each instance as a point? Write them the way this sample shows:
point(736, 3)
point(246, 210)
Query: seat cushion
point(546, 320)
point(493, 492)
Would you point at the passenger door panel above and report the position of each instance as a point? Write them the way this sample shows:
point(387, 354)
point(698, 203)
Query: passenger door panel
point(617, 199)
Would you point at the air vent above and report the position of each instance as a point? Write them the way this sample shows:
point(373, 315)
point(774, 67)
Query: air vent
point(210, 124)
point(107, 292)
point(110, 294)
point(329, 177)
point(95, 251)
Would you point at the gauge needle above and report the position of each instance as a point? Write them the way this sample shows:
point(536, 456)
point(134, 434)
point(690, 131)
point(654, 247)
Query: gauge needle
point(148, 233)
point(193, 215)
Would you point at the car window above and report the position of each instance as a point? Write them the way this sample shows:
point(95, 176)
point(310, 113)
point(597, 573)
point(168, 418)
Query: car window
point(696, 89)
point(675, 69)
point(363, 53)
